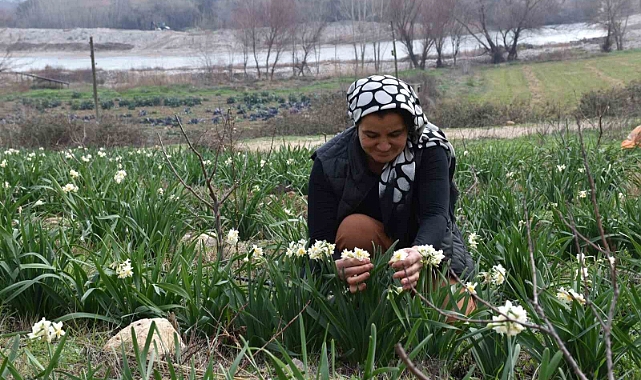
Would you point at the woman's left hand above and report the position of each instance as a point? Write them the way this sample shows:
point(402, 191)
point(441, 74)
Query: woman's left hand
point(408, 270)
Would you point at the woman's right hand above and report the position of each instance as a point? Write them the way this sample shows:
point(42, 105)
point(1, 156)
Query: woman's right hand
point(355, 272)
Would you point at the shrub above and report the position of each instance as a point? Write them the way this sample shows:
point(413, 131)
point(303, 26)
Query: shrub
point(76, 95)
point(59, 131)
point(231, 100)
point(107, 105)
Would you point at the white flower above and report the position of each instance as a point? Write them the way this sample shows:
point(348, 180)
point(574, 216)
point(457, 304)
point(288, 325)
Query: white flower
point(69, 188)
point(583, 274)
point(399, 255)
point(560, 168)
point(39, 202)
point(290, 161)
point(262, 163)
point(74, 174)
point(228, 161)
point(431, 256)
point(3, 164)
point(256, 188)
point(257, 252)
point(515, 313)
point(40, 330)
point(6, 184)
point(566, 296)
point(563, 296)
point(120, 176)
point(207, 162)
point(160, 191)
point(470, 288)
point(297, 248)
point(495, 276)
point(125, 270)
point(173, 197)
point(361, 254)
point(465, 153)
point(149, 155)
point(581, 170)
point(621, 196)
point(612, 260)
point(68, 155)
point(583, 194)
point(472, 240)
point(320, 249)
point(510, 175)
point(577, 297)
point(288, 211)
point(498, 274)
point(56, 330)
point(86, 158)
point(554, 205)
point(232, 237)
point(521, 223)
point(102, 154)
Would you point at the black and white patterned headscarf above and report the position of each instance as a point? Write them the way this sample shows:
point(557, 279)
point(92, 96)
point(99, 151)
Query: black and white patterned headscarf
point(383, 92)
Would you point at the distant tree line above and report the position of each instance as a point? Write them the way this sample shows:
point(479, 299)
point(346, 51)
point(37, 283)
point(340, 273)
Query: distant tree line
point(422, 27)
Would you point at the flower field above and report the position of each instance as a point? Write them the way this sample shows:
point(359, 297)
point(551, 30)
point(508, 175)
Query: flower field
point(95, 239)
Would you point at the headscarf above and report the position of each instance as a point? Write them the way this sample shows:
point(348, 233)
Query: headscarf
point(383, 92)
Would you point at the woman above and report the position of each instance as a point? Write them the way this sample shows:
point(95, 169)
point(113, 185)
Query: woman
point(387, 178)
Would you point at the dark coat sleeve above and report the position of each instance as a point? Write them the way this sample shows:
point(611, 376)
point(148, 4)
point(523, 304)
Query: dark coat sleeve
point(322, 206)
point(432, 194)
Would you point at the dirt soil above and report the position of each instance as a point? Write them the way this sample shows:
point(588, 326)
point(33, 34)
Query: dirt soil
point(456, 134)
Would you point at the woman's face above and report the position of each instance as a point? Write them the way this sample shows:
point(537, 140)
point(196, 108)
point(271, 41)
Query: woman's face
point(382, 137)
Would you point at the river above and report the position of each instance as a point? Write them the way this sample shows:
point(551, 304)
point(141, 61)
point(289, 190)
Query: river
point(193, 59)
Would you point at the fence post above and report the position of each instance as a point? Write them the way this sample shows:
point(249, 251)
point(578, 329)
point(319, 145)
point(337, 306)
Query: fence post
point(95, 85)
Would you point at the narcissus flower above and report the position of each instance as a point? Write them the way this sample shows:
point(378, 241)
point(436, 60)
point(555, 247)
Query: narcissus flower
point(399, 255)
point(321, 249)
point(357, 253)
point(120, 176)
point(160, 191)
point(583, 194)
point(102, 154)
point(495, 276)
point(470, 287)
point(472, 240)
point(515, 313)
point(3, 164)
point(232, 237)
point(297, 248)
point(46, 330)
point(560, 168)
point(70, 188)
point(74, 174)
point(431, 256)
point(567, 296)
point(125, 270)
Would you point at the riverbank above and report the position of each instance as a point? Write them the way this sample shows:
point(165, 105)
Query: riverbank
point(181, 51)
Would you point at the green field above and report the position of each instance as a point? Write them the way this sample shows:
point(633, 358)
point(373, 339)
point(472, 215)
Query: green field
point(70, 220)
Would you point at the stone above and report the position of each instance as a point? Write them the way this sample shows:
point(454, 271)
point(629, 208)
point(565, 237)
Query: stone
point(163, 337)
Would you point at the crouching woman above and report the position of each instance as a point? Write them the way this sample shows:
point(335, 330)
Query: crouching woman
point(388, 177)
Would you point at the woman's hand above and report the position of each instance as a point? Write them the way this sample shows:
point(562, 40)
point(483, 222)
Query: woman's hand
point(355, 272)
point(408, 270)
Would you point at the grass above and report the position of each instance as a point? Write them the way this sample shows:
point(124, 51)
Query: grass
point(106, 222)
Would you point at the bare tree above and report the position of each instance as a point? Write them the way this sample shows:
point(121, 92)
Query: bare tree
point(357, 12)
point(280, 17)
point(480, 16)
point(307, 34)
point(247, 21)
point(613, 16)
point(404, 14)
point(517, 16)
point(6, 53)
point(380, 12)
point(439, 16)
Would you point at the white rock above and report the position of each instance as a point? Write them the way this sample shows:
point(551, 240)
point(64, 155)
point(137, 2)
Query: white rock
point(163, 337)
